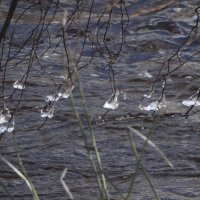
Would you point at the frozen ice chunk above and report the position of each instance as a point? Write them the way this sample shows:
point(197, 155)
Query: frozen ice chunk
point(3, 128)
point(146, 74)
point(47, 111)
point(53, 97)
point(6, 121)
point(2, 118)
point(112, 103)
point(65, 95)
point(60, 95)
point(154, 106)
point(194, 100)
point(11, 126)
point(18, 85)
point(148, 95)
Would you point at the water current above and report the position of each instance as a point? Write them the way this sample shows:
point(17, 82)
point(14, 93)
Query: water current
point(45, 126)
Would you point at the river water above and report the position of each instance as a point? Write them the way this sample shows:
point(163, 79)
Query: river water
point(152, 37)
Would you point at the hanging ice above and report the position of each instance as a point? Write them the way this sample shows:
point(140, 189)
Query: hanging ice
point(60, 95)
point(3, 118)
point(3, 128)
point(18, 85)
point(148, 95)
point(112, 103)
point(67, 92)
point(47, 111)
point(146, 74)
point(53, 97)
point(11, 125)
point(154, 106)
point(194, 100)
point(6, 121)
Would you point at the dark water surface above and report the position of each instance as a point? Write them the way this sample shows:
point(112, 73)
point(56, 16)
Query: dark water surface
point(150, 40)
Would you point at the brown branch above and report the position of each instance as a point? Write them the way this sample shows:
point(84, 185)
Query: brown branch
point(8, 19)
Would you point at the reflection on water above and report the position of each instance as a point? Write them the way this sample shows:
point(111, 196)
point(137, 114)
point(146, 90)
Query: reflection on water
point(149, 41)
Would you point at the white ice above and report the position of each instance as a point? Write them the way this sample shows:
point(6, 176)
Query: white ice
point(193, 100)
point(47, 111)
point(112, 103)
point(18, 85)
